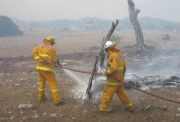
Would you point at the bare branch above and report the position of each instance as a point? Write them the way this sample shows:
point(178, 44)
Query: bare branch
point(108, 36)
point(101, 55)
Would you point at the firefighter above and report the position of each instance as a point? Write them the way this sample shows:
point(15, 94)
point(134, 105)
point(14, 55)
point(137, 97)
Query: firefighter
point(45, 55)
point(115, 73)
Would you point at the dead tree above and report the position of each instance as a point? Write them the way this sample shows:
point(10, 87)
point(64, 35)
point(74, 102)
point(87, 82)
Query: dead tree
point(100, 56)
point(133, 14)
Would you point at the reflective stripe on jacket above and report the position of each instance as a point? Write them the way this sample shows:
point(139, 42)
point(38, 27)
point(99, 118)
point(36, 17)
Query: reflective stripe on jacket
point(44, 55)
point(109, 83)
point(45, 52)
point(116, 66)
point(44, 68)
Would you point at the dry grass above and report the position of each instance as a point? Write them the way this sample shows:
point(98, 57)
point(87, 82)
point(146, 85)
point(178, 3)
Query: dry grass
point(21, 88)
point(20, 84)
point(81, 41)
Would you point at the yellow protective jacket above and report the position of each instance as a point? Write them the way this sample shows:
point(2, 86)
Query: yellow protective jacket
point(116, 67)
point(45, 52)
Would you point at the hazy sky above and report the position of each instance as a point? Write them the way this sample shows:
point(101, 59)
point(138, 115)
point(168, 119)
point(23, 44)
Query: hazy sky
point(76, 9)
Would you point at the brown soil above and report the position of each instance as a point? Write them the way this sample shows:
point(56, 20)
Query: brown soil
point(19, 84)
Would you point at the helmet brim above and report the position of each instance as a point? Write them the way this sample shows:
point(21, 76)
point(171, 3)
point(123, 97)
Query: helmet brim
point(112, 45)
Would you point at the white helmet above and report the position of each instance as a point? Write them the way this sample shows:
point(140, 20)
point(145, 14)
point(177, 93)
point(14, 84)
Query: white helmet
point(109, 44)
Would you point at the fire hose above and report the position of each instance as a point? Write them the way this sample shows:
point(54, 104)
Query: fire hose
point(87, 72)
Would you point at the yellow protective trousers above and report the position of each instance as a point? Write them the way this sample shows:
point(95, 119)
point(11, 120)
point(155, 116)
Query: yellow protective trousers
point(50, 77)
point(108, 93)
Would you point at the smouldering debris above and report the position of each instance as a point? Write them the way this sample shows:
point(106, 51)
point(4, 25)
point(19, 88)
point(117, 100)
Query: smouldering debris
point(17, 84)
point(35, 116)
point(178, 114)
point(53, 115)
point(12, 117)
point(178, 110)
point(44, 114)
point(20, 106)
point(146, 108)
point(73, 118)
point(22, 80)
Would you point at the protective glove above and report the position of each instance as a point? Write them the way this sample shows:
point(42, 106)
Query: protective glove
point(58, 62)
point(105, 73)
point(44, 62)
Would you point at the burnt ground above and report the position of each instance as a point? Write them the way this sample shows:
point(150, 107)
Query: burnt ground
point(19, 84)
point(19, 79)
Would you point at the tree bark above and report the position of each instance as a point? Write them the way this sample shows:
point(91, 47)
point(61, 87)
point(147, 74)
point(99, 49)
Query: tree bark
point(133, 14)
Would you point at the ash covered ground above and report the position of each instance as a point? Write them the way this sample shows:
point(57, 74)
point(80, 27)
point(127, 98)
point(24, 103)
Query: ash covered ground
point(156, 70)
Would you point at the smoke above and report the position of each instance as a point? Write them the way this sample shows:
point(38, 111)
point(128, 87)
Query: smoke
point(79, 91)
point(163, 64)
point(158, 67)
point(76, 78)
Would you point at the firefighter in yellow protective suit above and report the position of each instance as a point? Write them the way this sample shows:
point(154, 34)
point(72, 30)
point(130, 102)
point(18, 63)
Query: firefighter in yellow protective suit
point(115, 73)
point(45, 55)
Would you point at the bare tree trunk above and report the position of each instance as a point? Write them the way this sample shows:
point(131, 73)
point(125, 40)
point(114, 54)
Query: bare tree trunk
point(133, 14)
point(100, 56)
point(108, 36)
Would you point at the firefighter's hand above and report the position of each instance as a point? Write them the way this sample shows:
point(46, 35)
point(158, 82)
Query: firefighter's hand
point(104, 73)
point(44, 62)
point(58, 63)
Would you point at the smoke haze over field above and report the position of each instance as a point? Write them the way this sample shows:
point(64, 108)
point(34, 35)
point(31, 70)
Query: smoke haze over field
point(76, 9)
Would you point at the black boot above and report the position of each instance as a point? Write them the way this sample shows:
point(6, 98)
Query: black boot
point(59, 103)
